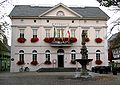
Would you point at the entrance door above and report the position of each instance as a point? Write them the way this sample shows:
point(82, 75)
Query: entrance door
point(60, 60)
point(60, 53)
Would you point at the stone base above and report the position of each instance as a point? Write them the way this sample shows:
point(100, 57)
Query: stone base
point(82, 75)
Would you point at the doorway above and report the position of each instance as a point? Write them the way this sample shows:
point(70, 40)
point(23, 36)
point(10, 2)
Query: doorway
point(60, 53)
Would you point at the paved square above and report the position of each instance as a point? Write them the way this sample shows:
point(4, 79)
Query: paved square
point(56, 78)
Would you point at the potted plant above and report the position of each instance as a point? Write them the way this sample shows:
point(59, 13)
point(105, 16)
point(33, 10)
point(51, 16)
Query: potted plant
point(73, 62)
point(47, 62)
point(21, 40)
point(114, 68)
point(20, 62)
point(35, 39)
point(98, 40)
point(34, 63)
point(73, 40)
point(48, 40)
point(98, 62)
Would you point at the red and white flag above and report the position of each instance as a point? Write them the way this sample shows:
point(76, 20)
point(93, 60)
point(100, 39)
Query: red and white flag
point(68, 35)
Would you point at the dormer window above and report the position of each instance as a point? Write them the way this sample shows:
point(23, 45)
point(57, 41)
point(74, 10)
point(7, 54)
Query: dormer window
point(60, 13)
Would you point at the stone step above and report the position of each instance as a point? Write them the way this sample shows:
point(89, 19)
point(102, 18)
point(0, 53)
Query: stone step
point(57, 70)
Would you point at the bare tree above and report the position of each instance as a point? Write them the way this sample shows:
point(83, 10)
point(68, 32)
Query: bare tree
point(109, 3)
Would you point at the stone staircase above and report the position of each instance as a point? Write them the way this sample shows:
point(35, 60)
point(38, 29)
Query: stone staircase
point(57, 70)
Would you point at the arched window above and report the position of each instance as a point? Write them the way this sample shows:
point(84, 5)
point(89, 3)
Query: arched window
point(73, 55)
point(98, 55)
point(60, 13)
point(47, 53)
point(21, 55)
point(34, 55)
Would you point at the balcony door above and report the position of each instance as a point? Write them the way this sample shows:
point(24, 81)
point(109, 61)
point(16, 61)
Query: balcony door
point(60, 54)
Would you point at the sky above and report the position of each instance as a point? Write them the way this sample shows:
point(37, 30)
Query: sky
point(8, 6)
point(78, 3)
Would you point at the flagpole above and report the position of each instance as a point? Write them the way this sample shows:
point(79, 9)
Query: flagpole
point(54, 33)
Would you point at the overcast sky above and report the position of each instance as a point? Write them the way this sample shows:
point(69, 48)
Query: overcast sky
point(78, 3)
point(54, 2)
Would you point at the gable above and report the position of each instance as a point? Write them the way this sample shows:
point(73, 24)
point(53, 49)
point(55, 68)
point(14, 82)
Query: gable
point(55, 11)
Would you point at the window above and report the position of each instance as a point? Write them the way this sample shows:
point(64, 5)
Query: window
point(21, 55)
point(98, 55)
point(97, 33)
point(34, 33)
point(58, 32)
point(73, 33)
point(47, 53)
point(34, 55)
point(72, 21)
point(47, 21)
point(21, 33)
point(73, 55)
point(60, 13)
point(47, 32)
point(34, 21)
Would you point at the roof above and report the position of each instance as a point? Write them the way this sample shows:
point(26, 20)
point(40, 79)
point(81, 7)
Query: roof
point(35, 11)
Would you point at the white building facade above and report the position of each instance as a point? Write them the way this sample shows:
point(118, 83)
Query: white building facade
point(50, 37)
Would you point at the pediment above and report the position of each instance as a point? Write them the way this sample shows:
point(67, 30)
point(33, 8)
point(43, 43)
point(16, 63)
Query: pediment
point(60, 10)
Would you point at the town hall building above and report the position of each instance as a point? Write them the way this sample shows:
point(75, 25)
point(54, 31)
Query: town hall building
point(50, 37)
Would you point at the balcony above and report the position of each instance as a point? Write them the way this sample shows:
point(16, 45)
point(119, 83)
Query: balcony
point(60, 42)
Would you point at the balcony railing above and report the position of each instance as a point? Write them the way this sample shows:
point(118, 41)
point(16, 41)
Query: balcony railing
point(60, 41)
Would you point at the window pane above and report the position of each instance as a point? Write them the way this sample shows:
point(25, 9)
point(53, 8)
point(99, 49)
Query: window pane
point(72, 33)
point(34, 31)
point(47, 53)
point(34, 55)
point(21, 30)
point(98, 55)
point(73, 55)
point(58, 32)
point(97, 33)
point(47, 32)
point(21, 33)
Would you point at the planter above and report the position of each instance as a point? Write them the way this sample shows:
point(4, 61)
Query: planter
point(21, 40)
point(51, 39)
point(98, 62)
point(34, 39)
point(73, 62)
point(34, 63)
point(98, 40)
point(73, 40)
point(114, 71)
point(20, 63)
point(87, 39)
point(47, 62)
point(48, 40)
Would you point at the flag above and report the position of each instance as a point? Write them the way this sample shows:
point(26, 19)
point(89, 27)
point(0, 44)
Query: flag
point(110, 55)
point(54, 32)
point(68, 35)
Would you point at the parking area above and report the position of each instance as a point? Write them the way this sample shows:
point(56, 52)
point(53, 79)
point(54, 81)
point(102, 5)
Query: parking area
point(57, 78)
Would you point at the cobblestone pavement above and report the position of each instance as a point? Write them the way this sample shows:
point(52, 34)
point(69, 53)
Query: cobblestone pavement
point(57, 78)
